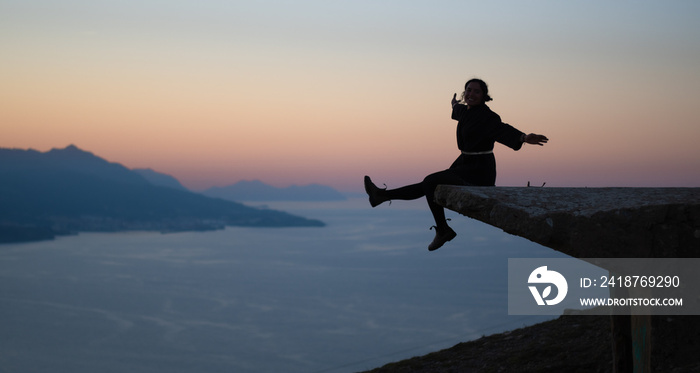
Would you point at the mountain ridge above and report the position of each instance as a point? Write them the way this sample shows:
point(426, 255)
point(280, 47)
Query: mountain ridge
point(70, 190)
point(159, 178)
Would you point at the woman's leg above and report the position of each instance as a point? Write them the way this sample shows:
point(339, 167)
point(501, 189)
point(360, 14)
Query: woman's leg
point(443, 232)
point(430, 183)
point(414, 191)
point(406, 193)
point(378, 196)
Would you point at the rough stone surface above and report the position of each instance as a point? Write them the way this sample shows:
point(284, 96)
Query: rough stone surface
point(570, 344)
point(588, 222)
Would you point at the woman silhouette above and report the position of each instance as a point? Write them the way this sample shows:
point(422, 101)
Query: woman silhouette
point(478, 128)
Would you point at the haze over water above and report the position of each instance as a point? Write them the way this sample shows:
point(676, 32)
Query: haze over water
point(357, 294)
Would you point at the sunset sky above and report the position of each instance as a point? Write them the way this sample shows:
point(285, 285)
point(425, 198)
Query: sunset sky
point(299, 92)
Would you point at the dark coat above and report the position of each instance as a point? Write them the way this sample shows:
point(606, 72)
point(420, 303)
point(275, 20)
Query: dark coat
point(478, 129)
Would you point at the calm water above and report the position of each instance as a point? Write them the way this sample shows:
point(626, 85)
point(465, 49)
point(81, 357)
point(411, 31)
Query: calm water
point(357, 294)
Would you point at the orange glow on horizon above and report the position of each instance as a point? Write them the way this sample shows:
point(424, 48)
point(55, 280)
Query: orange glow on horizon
point(293, 99)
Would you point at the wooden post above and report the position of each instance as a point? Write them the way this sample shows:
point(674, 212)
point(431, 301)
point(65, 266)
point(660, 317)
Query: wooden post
point(621, 325)
point(631, 335)
point(641, 343)
point(621, 343)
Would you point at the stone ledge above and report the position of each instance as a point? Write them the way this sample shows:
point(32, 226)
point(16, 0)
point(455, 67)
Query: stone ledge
point(588, 222)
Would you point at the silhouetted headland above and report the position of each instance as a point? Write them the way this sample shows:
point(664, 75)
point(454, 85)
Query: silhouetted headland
point(63, 191)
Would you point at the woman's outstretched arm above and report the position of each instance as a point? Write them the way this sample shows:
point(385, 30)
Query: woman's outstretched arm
point(535, 139)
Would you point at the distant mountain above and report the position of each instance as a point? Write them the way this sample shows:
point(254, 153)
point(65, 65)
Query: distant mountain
point(258, 191)
point(70, 190)
point(69, 159)
point(159, 179)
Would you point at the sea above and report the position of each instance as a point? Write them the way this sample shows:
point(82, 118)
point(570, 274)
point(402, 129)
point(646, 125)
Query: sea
point(354, 295)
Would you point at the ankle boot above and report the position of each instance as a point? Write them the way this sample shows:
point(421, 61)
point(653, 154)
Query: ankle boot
point(442, 235)
point(376, 195)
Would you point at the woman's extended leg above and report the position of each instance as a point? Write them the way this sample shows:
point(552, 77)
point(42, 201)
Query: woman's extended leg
point(443, 232)
point(378, 196)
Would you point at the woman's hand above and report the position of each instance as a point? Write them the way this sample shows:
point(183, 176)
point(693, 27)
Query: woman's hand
point(455, 101)
point(535, 139)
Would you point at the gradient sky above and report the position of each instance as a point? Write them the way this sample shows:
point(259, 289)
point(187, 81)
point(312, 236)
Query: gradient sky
point(298, 92)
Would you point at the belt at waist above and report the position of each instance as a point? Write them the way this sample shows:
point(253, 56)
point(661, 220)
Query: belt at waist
point(477, 153)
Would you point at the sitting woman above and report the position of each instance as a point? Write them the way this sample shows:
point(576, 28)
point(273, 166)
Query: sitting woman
point(478, 128)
